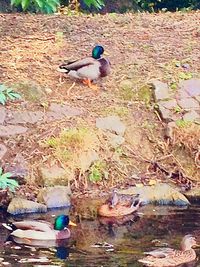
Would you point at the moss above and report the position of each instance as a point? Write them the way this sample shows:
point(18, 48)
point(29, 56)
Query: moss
point(145, 94)
point(126, 90)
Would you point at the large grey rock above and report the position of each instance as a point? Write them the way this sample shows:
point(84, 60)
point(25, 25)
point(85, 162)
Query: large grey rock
point(2, 114)
point(161, 90)
point(54, 175)
point(192, 87)
point(60, 111)
point(22, 117)
point(55, 197)
point(188, 103)
point(191, 116)
point(20, 206)
point(10, 130)
point(112, 124)
point(162, 194)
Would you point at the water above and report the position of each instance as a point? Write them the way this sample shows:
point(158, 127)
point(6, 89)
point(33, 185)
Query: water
point(162, 225)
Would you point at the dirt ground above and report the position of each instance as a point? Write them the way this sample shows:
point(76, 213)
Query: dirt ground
point(141, 47)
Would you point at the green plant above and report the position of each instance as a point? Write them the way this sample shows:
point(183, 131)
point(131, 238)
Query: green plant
point(98, 4)
point(50, 6)
point(7, 93)
point(46, 6)
point(5, 182)
point(97, 171)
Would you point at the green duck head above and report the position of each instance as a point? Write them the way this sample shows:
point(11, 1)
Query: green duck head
point(61, 222)
point(97, 51)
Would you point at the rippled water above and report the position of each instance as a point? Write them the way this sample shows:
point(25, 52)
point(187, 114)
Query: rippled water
point(130, 239)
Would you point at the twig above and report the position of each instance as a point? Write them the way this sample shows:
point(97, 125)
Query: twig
point(70, 88)
point(35, 38)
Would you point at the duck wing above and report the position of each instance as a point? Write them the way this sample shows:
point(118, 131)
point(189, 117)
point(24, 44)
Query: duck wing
point(160, 253)
point(42, 226)
point(77, 64)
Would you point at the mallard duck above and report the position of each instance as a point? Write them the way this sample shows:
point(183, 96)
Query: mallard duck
point(120, 205)
point(88, 69)
point(41, 230)
point(166, 257)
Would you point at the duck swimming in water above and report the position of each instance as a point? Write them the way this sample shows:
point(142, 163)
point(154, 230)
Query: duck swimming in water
point(88, 69)
point(168, 257)
point(41, 230)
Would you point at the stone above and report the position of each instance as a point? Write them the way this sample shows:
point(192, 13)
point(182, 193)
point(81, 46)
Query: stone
point(20, 206)
point(2, 114)
point(192, 86)
point(161, 90)
point(23, 117)
point(51, 176)
point(86, 159)
point(10, 130)
point(112, 124)
point(162, 194)
point(169, 104)
point(165, 113)
point(3, 150)
point(60, 111)
point(191, 116)
point(18, 168)
point(169, 130)
point(188, 103)
point(55, 197)
point(115, 140)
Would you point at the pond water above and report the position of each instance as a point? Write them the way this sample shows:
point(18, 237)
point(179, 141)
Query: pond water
point(155, 226)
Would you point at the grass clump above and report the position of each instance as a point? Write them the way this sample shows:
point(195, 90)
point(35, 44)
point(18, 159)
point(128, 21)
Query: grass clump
point(75, 148)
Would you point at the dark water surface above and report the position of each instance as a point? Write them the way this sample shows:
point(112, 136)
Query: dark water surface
point(162, 225)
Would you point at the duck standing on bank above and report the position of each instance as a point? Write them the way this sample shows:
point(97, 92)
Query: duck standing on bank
point(168, 257)
point(88, 69)
point(41, 230)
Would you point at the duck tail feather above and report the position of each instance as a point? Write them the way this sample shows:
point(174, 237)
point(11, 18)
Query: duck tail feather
point(9, 226)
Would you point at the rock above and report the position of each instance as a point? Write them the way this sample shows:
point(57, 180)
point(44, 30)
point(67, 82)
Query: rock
point(165, 113)
point(169, 130)
point(192, 86)
point(86, 159)
point(161, 194)
point(115, 140)
point(161, 90)
point(169, 104)
point(188, 103)
point(2, 114)
point(191, 116)
point(59, 111)
point(3, 150)
point(50, 176)
point(20, 206)
point(22, 117)
point(31, 91)
point(18, 168)
point(10, 130)
point(55, 197)
point(111, 123)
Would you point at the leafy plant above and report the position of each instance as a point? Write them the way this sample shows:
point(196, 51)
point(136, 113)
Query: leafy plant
point(46, 6)
point(97, 171)
point(50, 6)
point(98, 4)
point(7, 93)
point(5, 182)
